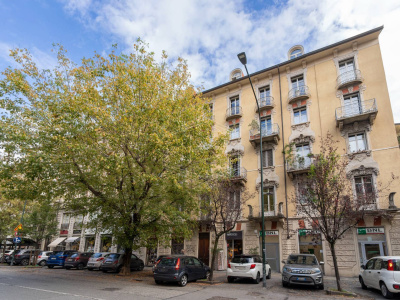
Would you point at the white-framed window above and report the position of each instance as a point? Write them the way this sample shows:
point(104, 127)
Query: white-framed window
point(301, 194)
point(234, 200)
point(234, 105)
point(234, 131)
point(268, 158)
point(265, 94)
point(296, 53)
point(352, 105)
point(364, 188)
point(234, 165)
point(65, 221)
point(302, 155)
point(297, 81)
point(236, 75)
point(78, 222)
point(266, 126)
point(357, 142)
point(300, 115)
point(269, 199)
point(346, 66)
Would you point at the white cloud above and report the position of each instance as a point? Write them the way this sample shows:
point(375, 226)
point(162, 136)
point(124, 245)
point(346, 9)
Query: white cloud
point(210, 33)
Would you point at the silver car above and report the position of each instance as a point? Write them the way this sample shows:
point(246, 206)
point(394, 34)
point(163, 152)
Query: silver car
point(42, 257)
point(302, 269)
point(96, 260)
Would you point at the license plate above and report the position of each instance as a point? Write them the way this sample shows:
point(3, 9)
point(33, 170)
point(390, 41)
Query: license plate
point(241, 268)
point(301, 279)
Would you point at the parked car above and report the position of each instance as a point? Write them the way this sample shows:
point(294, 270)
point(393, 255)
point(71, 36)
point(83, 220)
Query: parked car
point(382, 273)
point(158, 260)
point(180, 269)
point(77, 260)
point(247, 266)
point(22, 257)
point(58, 258)
point(302, 269)
point(43, 257)
point(96, 260)
point(114, 261)
point(7, 253)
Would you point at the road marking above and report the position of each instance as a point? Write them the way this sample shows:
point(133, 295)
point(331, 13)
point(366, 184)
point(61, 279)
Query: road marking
point(50, 291)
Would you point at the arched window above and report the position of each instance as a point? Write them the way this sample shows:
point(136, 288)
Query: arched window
point(236, 74)
point(295, 52)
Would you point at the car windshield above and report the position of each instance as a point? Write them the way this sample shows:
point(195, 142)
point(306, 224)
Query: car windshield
point(113, 256)
point(96, 255)
point(74, 255)
point(242, 260)
point(59, 253)
point(302, 260)
point(168, 261)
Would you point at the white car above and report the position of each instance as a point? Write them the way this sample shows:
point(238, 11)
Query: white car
point(247, 266)
point(96, 260)
point(382, 273)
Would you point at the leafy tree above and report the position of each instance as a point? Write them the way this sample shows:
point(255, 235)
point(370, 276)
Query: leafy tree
point(10, 211)
point(122, 137)
point(325, 198)
point(222, 208)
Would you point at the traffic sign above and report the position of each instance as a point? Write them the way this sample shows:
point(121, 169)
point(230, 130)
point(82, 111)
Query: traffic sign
point(17, 240)
point(18, 227)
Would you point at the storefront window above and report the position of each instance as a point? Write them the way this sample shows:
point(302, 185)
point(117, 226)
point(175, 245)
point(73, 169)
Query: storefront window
point(89, 243)
point(234, 244)
point(106, 242)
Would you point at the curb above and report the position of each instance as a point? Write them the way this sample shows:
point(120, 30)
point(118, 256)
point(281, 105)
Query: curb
point(344, 293)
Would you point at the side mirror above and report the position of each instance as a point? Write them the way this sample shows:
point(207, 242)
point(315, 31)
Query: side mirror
point(321, 263)
point(362, 267)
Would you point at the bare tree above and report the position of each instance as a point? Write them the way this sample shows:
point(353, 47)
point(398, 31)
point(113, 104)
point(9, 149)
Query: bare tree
point(326, 199)
point(222, 208)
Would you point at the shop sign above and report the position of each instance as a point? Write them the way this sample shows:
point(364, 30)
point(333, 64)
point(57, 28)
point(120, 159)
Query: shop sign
point(234, 235)
point(271, 233)
point(370, 230)
point(304, 232)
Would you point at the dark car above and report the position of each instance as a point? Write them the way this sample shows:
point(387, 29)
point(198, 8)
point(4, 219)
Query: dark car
point(114, 261)
point(58, 258)
point(180, 269)
point(158, 260)
point(22, 257)
point(77, 260)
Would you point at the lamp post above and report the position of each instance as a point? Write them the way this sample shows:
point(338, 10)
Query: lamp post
point(243, 60)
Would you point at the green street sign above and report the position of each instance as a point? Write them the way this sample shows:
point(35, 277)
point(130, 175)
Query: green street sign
point(361, 231)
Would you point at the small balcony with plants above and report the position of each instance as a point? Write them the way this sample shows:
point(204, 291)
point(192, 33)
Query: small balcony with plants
point(234, 112)
point(298, 93)
point(356, 112)
point(269, 133)
point(265, 102)
point(238, 174)
point(349, 78)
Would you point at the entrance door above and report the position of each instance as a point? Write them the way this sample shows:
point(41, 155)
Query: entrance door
point(204, 247)
point(272, 255)
point(370, 250)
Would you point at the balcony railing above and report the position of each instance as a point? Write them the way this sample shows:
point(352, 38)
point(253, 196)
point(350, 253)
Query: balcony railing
point(265, 103)
point(298, 93)
point(348, 78)
point(268, 134)
point(238, 174)
point(362, 111)
point(255, 212)
point(233, 112)
point(299, 165)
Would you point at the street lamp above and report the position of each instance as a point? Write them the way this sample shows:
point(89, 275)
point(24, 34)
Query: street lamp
point(243, 60)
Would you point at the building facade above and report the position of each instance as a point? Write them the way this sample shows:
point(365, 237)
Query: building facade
point(339, 89)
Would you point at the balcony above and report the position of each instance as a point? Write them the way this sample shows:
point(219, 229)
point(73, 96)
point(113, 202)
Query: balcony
point(204, 217)
point(238, 174)
point(270, 215)
point(266, 102)
point(268, 134)
point(298, 93)
point(299, 165)
point(234, 112)
point(362, 111)
point(349, 78)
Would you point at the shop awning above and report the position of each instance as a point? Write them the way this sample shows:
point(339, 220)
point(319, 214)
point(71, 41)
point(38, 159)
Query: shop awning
point(56, 242)
point(72, 239)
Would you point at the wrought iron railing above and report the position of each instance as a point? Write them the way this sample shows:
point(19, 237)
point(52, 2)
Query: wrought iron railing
point(355, 109)
point(299, 163)
point(266, 101)
point(268, 130)
point(297, 92)
point(347, 77)
point(234, 111)
point(238, 173)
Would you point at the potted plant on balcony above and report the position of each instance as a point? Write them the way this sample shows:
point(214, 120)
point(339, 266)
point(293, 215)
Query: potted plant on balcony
point(255, 128)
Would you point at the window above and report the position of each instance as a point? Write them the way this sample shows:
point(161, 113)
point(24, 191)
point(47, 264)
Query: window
point(78, 222)
point(347, 70)
point(269, 199)
point(177, 246)
point(352, 105)
point(267, 158)
point(300, 115)
point(370, 264)
point(295, 53)
point(364, 188)
point(65, 222)
point(297, 81)
point(301, 194)
point(234, 105)
point(234, 131)
point(234, 200)
point(265, 96)
point(357, 142)
point(266, 126)
point(234, 163)
point(302, 155)
point(236, 75)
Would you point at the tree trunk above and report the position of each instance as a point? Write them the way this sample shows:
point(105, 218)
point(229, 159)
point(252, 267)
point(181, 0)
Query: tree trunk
point(335, 265)
point(4, 250)
point(126, 262)
point(213, 256)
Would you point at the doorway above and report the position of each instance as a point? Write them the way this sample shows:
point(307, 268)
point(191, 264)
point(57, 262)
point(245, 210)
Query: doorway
point(272, 255)
point(204, 247)
point(371, 249)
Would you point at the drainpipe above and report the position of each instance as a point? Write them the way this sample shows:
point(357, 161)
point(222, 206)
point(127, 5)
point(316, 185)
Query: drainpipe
point(283, 151)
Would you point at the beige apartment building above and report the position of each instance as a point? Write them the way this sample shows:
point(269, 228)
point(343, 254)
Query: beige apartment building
point(340, 88)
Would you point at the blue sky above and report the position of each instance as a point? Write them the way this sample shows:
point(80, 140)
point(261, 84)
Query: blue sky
point(208, 33)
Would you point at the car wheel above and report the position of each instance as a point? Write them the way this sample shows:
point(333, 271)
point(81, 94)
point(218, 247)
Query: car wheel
point(50, 267)
point(208, 275)
point(158, 281)
point(363, 286)
point(42, 263)
point(80, 266)
point(269, 274)
point(285, 284)
point(90, 269)
point(24, 262)
point(183, 280)
point(141, 267)
point(257, 280)
point(321, 286)
point(231, 279)
point(385, 292)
